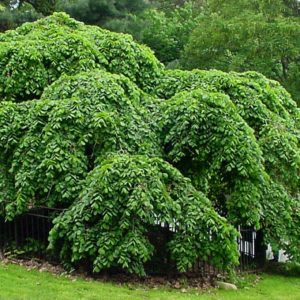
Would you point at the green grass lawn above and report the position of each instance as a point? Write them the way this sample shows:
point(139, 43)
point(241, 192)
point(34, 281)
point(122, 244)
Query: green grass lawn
point(18, 283)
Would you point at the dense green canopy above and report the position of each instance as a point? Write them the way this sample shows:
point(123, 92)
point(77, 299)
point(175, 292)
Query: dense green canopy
point(91, 122)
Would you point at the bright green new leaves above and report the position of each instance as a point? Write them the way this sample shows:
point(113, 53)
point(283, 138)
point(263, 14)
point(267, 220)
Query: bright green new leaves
point(36, 54)
point(113, 90)
point(62, 138)
point(123, 197)
point(119, 95)
point(207, 139)
point(265, 106)
point(271, 147)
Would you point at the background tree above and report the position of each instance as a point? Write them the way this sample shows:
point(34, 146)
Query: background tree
point(97, 12)
point(260, 42)
point(11, 17)
point(45, 7)
point(268, 8)
point(16, 12)
point(165, 33)
point(170, 5)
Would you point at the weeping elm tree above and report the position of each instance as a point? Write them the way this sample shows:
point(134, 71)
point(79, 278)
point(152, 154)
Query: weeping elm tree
point(91, 122)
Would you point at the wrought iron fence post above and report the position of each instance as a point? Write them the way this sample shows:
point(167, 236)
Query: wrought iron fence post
point(260, 249)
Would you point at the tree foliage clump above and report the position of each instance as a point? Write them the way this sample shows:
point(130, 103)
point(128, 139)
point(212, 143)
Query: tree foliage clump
point(36, 54)
point(77, 120)
point(260, 157)
point(92, 123)
point(123, 198)
point(217, 149)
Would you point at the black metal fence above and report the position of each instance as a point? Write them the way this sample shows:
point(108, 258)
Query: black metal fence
point(36, 224)
point(31, 227)
point(251, 248)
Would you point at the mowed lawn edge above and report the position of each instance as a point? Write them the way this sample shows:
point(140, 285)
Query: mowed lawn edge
point(17, 282)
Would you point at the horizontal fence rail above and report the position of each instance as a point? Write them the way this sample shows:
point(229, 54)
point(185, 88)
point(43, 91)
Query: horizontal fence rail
point(33, 226)
point(37, 223)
